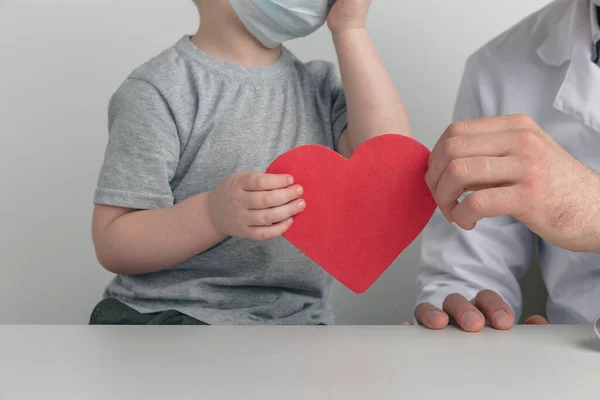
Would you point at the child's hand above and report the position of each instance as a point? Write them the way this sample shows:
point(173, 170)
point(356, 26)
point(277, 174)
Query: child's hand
point(254, 205)
point(348, 15)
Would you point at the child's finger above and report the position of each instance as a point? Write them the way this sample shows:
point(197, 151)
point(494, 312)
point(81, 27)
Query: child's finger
point(273, 198)
point(276, 214)
point(254, 181)
point(270, 232)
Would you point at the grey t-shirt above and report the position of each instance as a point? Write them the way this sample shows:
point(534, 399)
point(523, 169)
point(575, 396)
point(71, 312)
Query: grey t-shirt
point(182, 123)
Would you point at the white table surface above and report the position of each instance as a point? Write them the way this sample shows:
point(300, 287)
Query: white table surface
point(81, 362)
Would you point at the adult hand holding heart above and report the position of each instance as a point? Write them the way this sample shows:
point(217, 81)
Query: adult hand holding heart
point(363, 212)
point(515, 169)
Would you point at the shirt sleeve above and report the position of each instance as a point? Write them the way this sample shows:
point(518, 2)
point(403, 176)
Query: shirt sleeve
point(339, 114)
point(331, 97)
point(494, 256)
point(142, 153)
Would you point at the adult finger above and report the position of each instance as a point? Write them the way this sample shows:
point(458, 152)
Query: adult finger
point(466, 315)
point(276, 214)
point(254, 181)
point(484, 125)
point(464, 173)
point(261, 233)
point(272, 198)
point(490, 136)
point(431, 317)
point(495, 310)
point(495, 144)
point(536, 320)
point(489, 203)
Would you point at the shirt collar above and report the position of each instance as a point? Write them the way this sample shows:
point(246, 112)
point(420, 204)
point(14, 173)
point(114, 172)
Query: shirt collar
point(595, 31)
point(570, 32)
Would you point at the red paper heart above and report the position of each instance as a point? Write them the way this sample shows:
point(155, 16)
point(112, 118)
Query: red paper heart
point(360, 213)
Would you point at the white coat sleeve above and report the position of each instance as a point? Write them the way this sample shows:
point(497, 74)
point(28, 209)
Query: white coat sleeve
point(494, 256)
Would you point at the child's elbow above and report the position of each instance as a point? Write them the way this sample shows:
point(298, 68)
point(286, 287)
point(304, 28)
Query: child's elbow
point(108, 256)
point(107, 242)
point(405, 128)
point(107, 260)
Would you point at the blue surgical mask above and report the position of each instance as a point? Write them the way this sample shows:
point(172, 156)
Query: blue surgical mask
point(273, 22)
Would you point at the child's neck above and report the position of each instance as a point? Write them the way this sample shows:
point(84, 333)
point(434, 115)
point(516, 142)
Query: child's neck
point(232, 43)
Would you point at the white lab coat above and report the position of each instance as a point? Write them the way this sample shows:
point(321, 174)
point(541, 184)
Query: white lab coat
point(541, 67)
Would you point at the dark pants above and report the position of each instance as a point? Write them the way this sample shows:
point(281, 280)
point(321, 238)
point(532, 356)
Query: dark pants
point(113, 312)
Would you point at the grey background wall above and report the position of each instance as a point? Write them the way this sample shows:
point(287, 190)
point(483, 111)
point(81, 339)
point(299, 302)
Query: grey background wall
point(60, 60)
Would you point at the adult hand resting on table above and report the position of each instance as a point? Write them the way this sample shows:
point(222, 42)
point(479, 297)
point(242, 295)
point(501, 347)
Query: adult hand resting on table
point(487, 308)
point(508, 166)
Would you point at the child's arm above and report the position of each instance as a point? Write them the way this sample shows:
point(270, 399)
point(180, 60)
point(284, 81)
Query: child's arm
point(136, 227)
point(130, 242)
point(374, 106)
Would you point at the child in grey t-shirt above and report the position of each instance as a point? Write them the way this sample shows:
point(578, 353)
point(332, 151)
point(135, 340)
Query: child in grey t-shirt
point(184, 216)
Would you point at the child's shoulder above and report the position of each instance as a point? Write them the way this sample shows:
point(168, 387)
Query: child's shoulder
point(164, 68)
point(321, 71)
